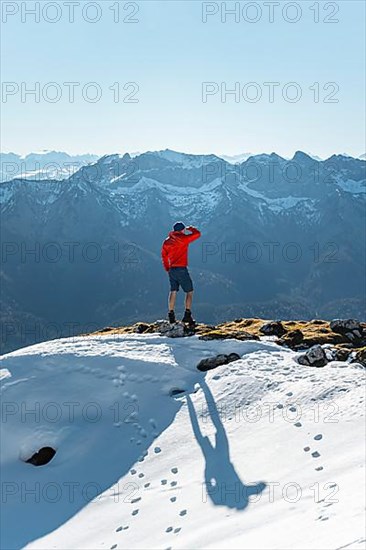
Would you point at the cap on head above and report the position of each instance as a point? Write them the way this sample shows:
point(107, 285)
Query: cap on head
point(178, 226)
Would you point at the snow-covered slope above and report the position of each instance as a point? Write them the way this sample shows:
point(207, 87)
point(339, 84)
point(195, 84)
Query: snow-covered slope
point(262, 453)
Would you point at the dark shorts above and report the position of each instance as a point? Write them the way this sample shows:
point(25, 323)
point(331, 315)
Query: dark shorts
point(179, 276)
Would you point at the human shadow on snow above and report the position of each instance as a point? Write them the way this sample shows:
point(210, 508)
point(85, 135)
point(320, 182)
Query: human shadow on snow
point(223, 485)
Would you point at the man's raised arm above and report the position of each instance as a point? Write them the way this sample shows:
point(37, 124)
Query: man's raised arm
point(194, 233)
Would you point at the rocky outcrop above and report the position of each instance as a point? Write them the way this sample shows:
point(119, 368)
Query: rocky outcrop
point(212, 362)
point(351, 329)
point(345, 325)
point(346, 337)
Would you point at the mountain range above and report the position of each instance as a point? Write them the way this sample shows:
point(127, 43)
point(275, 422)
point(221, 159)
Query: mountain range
point(42, 164)
point(280, 239)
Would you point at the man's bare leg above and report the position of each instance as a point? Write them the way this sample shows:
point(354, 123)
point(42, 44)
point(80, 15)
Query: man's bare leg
point(172, 299)
point(188, 300)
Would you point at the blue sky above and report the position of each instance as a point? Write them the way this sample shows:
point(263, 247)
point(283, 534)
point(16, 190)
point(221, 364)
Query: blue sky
point(169, 53)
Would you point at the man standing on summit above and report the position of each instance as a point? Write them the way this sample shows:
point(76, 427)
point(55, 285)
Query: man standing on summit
point(174, 254)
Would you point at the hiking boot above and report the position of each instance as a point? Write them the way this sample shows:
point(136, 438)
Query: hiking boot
point(187, 318)
point(171, 317)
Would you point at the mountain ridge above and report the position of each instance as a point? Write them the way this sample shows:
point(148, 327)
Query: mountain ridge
point(279, 239)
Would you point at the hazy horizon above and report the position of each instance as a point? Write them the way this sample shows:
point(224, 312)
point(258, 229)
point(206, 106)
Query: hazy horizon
point(136, 153)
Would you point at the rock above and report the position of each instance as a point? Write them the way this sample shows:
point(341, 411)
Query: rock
point(174, 330)
point(295, 336)
point(292, 338)
point(189, 331)
point(336, 354)
point(273, 328)
point(140, 328)
point(313, 357)
point(233, 357)
point(342, 326)
point(360, 356)
point(351, 330)
point(220, 334)
point(355, 337)
point(42, 457)
point(213, 362)
point(341, 354)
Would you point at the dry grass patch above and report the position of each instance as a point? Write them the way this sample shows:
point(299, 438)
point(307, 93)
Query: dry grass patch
point(316, 331)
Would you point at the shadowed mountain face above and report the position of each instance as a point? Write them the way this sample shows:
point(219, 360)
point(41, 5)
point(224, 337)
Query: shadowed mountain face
point(280, 239)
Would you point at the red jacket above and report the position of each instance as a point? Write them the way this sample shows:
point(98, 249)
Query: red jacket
point(174, 252)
